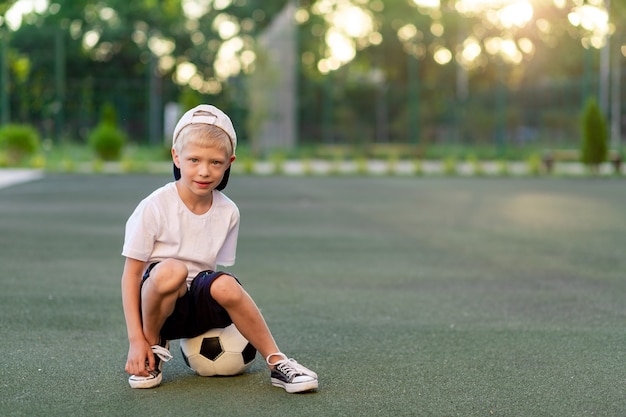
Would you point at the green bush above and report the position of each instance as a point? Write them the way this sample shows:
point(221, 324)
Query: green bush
point(476, 165)
point(107, 141)
point(450, 166)
point(278, 159)
point(533, 164)
point(594, 136)
point(418, 167)
point(108, 115)
point(248, 164)
point(503, 168)
point(19, 141)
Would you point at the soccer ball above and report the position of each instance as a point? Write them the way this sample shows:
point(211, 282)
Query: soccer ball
point(222, 352)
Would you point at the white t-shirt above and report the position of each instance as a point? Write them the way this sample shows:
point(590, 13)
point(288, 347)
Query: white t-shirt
point(162, 227)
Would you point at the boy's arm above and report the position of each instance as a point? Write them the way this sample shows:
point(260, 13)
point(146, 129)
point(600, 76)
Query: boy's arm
point(139, 350)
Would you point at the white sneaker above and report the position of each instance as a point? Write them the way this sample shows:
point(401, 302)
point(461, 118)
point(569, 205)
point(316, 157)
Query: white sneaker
point(154, 378)
point(291, 376)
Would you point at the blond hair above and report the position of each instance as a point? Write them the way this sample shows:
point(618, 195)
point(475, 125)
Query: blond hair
point(204, 135)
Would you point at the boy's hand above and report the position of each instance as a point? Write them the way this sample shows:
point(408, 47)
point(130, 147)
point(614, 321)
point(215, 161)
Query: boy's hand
point(140, 358)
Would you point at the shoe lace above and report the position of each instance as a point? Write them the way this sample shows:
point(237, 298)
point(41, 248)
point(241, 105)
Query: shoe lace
point(289, 366)
point(162, 353)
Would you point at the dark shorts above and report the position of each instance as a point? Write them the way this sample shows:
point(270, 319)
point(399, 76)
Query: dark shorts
point(195, 312)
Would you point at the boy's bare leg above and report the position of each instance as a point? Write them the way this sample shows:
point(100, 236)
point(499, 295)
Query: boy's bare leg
point(286, 373)
point(245, 314)
point(159, 294)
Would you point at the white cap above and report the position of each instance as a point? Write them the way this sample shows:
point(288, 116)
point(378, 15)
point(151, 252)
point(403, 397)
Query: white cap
point(206, 114)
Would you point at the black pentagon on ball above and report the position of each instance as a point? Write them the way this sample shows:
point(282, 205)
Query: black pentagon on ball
point(211, 348)
point(249, 353)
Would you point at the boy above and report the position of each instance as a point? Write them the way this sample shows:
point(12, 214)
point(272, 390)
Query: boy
point(174, 241)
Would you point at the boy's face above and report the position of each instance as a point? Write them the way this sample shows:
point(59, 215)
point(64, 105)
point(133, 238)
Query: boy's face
point(201, 168)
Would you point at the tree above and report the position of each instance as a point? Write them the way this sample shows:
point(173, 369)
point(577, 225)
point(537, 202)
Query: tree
point(594, 136)
point(112, 47)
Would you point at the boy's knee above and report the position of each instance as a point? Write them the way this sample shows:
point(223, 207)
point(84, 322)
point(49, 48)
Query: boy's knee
point(226, 290)
point(168, 276)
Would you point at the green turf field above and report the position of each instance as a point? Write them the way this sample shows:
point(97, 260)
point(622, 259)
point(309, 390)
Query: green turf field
point(408, 296)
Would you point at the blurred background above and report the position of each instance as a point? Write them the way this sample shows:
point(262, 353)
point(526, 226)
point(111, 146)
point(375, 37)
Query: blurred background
point(499, 77)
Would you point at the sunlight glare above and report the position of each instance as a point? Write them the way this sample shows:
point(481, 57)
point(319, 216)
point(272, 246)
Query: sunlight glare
point(184, 72)
point(437, 29)
point(161, 46)
point(407, 32)
point(166, 63)
point(544, 26)
point(505, 48)
point(504, 13)
point(526, 45)
point(510, 52)
point(471, 50)
point(375, 38)
point(589, 17)
point(195, 9)
point(302, 16)
point(91, 39)
point(227, 63)
point(516, 14)
point(353, 21)
point(226, 26)
point(221, 4)
point(14, 15)
point(492, 45)
point(350, 26)
point(341, 46)
point(427, 3)
point(442, 56)
point(595, 20)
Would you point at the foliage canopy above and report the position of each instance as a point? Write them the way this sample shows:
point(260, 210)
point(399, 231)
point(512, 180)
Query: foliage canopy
point(133, 53)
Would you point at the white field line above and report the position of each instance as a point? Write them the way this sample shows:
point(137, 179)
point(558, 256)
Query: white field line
point(10, 177)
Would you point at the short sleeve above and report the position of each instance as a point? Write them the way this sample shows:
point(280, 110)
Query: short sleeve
point(227, 253)
point(140, 234)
